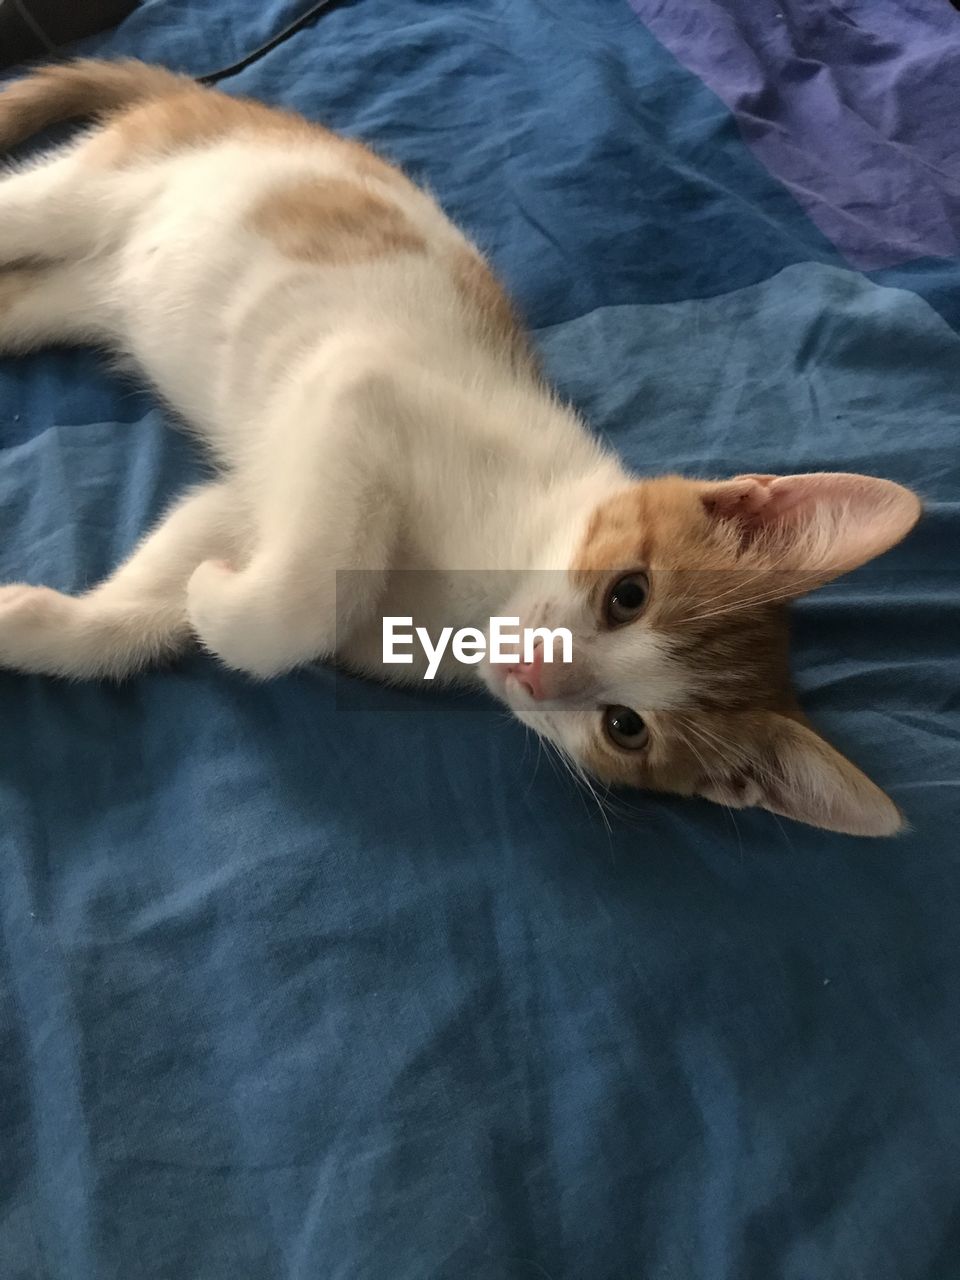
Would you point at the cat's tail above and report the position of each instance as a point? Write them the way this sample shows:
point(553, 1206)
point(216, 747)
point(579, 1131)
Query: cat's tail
point(86, 87)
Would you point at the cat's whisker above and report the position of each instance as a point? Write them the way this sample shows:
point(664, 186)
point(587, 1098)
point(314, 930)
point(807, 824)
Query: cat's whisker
point(708, 737)
point(727, 807)
point(781, 596)
point(602, 802)
point(536, 763)
point(581, 780)
point(550, 757)
point(619, 807)
point(799, 582)
point(688, 743)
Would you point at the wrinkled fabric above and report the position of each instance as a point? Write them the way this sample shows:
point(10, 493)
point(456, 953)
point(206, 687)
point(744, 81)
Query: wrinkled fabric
point(298, 985)
point(852, 106)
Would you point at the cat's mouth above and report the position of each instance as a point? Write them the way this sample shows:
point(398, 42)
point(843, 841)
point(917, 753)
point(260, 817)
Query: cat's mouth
point(514, 686)
point(525, 685)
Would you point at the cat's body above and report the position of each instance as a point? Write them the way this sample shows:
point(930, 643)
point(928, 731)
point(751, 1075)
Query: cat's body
point(373, 407)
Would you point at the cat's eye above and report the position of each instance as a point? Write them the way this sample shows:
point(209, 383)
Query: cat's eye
point(627, 599)
point(625, 728)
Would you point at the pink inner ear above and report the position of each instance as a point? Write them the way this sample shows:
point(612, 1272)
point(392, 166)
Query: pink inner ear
point(744, 498)
point(832, 520)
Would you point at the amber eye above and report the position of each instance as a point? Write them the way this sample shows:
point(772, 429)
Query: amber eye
point(627, 599)
point(624, 728)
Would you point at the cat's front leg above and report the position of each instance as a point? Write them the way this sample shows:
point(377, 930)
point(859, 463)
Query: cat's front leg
point(270, 617)
point(138, 616)
point(328, 501)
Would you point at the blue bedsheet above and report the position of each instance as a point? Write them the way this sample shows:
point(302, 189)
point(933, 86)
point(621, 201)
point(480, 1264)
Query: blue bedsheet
point(295, 988)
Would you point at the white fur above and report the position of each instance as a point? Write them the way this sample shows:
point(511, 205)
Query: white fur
point(357, 422)
point(375, 458)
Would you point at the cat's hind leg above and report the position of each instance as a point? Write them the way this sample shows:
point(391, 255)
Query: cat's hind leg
point(61, 206)
point(137, 617)
point(327, 518)
point(47, 303)
point(295, 599)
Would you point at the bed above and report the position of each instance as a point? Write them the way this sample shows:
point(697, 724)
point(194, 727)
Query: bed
point(320, 983)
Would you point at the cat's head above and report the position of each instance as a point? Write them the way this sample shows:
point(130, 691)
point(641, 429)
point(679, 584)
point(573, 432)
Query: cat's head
point(676, 601)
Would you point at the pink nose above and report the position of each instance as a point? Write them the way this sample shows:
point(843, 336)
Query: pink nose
point(529, 674)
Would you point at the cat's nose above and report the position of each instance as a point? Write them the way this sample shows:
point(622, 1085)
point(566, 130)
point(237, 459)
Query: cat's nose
point(530, 674)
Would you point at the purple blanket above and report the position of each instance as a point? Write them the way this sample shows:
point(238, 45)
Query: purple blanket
point(851, 105)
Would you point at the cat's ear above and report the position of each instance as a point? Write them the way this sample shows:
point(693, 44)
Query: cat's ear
point(818, 525)
point(790, 770)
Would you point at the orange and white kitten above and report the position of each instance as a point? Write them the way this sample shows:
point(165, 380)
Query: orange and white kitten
point(371, 403)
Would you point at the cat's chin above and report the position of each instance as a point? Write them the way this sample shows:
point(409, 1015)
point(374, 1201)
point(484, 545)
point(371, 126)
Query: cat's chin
point(507, 689)
point(498, 682)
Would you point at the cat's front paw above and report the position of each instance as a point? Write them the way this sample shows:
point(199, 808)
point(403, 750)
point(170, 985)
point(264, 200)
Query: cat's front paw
point(30, 618)
point(229, 620)
point(250, 624)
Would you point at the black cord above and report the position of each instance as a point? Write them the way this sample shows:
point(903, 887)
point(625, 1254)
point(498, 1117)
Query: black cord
point(213, 77)
point(314, 12)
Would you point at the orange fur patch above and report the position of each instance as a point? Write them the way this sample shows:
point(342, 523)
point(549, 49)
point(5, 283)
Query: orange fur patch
point(495, 321)
point(86, 87)
point(15, 282)
point(191, 116)
point(662, 518)
point(688, 750)
point(334, 221)
point(723, 622)
point(617, 538)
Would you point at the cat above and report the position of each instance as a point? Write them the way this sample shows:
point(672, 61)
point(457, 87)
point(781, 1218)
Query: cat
point(373, 406)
